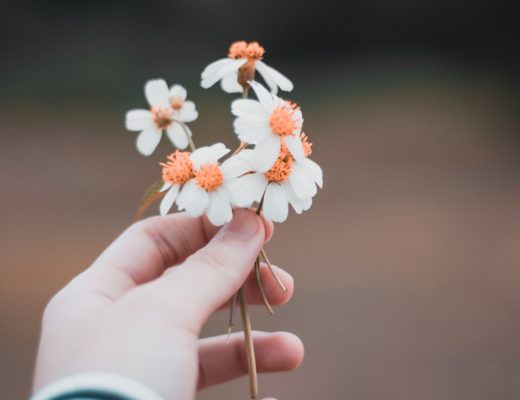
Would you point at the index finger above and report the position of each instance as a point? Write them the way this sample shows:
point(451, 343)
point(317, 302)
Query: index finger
point(146, 249)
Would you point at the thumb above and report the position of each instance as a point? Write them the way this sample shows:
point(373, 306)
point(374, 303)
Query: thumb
point(209, 277)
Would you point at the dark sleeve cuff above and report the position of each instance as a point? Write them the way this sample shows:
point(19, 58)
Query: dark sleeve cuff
point(96, 386)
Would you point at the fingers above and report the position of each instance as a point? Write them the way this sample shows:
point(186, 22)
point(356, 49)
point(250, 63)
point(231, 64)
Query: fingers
point(146, 249)
point(209, 277)
point(272, 290)
point(221, 360)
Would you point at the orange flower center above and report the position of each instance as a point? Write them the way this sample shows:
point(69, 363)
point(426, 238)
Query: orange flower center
point(282, 168)
point(281, 121)
point(162, 117)
point(178, 169)
point(252, 52)
point(242, 49)
point(176, 103)
point(209, 177)
point(307, 146)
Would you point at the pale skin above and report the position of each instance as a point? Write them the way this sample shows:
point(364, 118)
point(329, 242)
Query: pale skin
point(138, 310)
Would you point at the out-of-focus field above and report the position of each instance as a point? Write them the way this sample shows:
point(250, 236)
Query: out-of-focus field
point(407, 267)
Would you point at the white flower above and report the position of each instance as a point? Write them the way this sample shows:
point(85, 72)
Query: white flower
point(198, 183)
point(235, 71)
point(266, 123)
point(288, 182)
point(169, 111)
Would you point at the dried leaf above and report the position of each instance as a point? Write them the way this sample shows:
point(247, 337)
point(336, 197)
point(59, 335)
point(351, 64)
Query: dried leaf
point(151, 195)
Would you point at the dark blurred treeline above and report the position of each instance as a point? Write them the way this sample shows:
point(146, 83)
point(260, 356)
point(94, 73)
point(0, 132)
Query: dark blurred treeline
point(49, 46)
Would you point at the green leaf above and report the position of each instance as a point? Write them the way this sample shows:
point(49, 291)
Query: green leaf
point(151, 195)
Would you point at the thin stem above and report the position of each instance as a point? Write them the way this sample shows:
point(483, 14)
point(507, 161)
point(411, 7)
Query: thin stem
point(240, 148)
point(261, 286)
point(257, 268)
point(232, 309)
point(259, 209)
point(270, 266)
point(250, 350)
point(266, 259)
point(187, 132)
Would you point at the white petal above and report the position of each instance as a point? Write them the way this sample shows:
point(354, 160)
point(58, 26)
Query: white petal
point(179, 92)
point(148, 140)
point(314, 171)
point(275, 76)
point(156, 92)
point(177, 135)
point(235, 166)
point(168, 199)
point(252, 131)
point(248, 108)
point(297, 117)
point(262, 69)
point(194, 199)
point(228, 67)
point(229, 83)
point(248, 189)
point(275, 207)
point(299, 205)
point(301, 183)
point(219, 211)
point(209, 154)
point(138, 120)
point(265, 98)
point(265, 153)
point(188, 112)
point(180, 197)
point(215, 66)
point(165, 187)
point(294, 144)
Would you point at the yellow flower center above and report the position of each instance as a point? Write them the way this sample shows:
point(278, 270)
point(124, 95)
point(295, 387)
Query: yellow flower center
point(178, 169)
point(281, 121)
point(162, 117)
point(209, 177)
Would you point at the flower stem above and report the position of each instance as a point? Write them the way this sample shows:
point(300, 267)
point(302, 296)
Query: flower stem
point(240, 148)
point(270, 266)
point(246, 323)
point(233, 306)
point(261, 286)
point(250, 350)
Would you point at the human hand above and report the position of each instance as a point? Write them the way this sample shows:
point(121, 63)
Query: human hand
point(138, 310)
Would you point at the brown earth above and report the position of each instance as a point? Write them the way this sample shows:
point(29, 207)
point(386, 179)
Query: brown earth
point(407, 266)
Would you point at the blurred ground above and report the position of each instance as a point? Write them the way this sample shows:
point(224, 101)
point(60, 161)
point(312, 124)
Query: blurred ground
point(407, 266)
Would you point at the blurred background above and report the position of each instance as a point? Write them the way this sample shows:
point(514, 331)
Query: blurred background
point(407, 266)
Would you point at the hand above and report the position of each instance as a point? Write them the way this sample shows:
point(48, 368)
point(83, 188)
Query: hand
point(138, 310)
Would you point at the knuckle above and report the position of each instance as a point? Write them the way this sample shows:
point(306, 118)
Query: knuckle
point(54, 306)
point(59, 305)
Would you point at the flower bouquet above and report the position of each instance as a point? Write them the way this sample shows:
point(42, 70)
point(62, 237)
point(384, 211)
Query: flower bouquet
point(270, 169)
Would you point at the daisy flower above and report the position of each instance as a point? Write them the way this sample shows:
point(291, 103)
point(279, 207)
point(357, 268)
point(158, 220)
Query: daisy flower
point(169, 111)
point(268, 123)
point(198, 183)
point(239, 67)
point(288, 181)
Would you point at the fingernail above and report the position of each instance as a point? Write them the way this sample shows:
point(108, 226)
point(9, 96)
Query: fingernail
point(244, 225)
